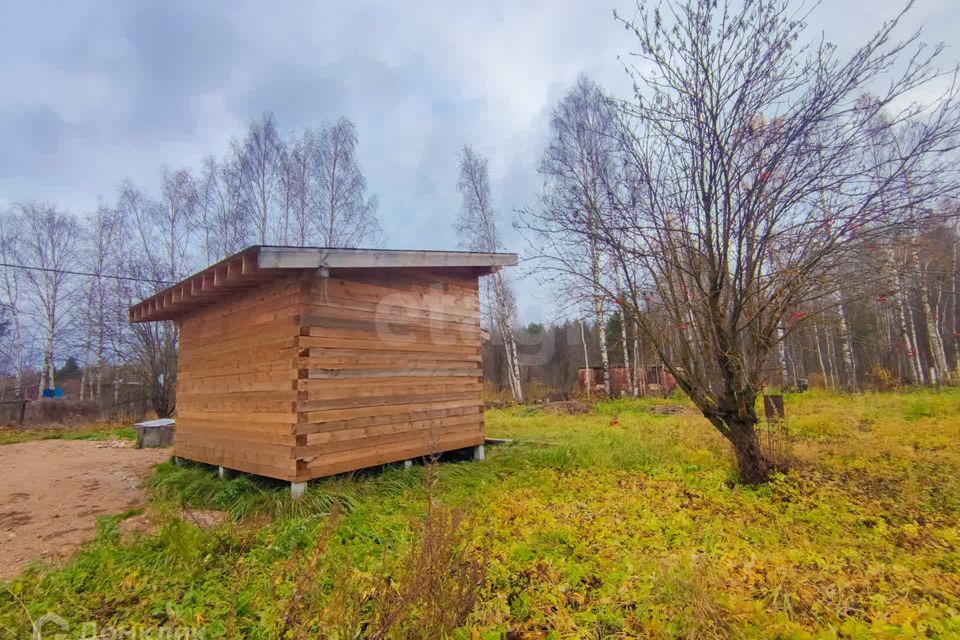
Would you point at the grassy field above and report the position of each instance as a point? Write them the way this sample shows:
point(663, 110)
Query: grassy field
point(617, 524)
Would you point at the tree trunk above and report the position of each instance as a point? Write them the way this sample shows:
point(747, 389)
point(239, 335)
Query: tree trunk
point(586, 360)
point(602, 335)
point(751, 462)
point(513, 364)
point(831, 357)
point(823, 367)
point(956, 301)
point(639, 371)
point(934, 340)
point(736, 418)
point(846, 349)
point(99, 381)
point(598, 315)
point(629, 379)
point(906, 331)
point(782, 353)
point(18, 357)
point(502, 311)
point(47, 380)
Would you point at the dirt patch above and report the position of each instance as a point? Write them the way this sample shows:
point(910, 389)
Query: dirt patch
point(53, 491)
point(566, 408)
point(204, 518)
point(669, 409)
point(141, 523)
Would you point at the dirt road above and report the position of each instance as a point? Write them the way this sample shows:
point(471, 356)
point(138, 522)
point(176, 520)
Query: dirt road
point(52, 491)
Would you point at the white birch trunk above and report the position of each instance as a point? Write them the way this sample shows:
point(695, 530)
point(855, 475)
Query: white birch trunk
point(906, 341)
point(639, 371)
point(823, 367)
point(782, 353)
point(955, 328)
point(623, 337)
point(626, 355)
point(831, 357)
point(502, 303)
point(934, 339)
point(600, 320)
point(906, 332)
point(846, 349)
point(587, 383)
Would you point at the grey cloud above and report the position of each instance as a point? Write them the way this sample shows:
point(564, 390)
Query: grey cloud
point(95, 92)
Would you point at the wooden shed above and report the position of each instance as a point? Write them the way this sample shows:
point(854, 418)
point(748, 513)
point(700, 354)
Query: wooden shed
point(302, 362)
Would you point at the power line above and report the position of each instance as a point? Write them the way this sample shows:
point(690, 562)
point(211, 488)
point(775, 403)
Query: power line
point(83, 273)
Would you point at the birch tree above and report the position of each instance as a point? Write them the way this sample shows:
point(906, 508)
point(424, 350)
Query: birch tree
point(102, 260)
point(476, 228)
point(50, 244)
point(159, 255)
point(347, 214)
point(11, 297)
point(579, 167)
point(224, 222)
point(299, 185)
point(259, 159)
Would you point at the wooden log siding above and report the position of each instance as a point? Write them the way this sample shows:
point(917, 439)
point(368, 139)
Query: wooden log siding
point(390, 368)
point(237, 381)
point(307, 376)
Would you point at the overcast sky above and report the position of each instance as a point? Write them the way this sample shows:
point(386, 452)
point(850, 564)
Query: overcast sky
point(92, 93)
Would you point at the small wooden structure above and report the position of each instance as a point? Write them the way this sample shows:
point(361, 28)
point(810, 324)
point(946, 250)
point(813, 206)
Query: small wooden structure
point(300, 362)
point(154, 433)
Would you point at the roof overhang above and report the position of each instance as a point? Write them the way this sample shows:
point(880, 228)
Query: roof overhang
point(255, 265)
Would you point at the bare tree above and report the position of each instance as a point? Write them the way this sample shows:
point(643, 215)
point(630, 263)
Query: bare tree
point(348, 215)
point(298, 185)
point(158, 255)
point(579, 166)
point(51, 245)
point(755, 187)
point(102, 259)
point(11, 297)
point(477, 229)
point(224, 222)
point(259, 158)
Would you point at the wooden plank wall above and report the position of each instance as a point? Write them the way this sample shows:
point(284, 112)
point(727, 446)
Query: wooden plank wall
point(390, 368)
point(305, 377)
point(237, 381)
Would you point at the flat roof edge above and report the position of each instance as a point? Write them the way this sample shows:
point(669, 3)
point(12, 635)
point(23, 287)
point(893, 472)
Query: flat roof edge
point(312, 257)
point(256, 264)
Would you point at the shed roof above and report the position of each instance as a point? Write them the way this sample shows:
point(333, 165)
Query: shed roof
point(257, 264)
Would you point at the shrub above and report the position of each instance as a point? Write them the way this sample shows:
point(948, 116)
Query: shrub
point(61, 411)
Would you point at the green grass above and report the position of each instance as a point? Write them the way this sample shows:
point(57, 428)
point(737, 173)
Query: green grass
point(13, 435)
point(617, 524)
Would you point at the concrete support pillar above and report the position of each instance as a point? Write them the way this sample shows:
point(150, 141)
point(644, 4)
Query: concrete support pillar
point(177, 462)
point(407, 464)
point(221, 473)
point(478, 452)
point(297, 489)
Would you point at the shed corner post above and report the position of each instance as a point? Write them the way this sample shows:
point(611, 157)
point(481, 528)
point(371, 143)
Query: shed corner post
point(297, 489)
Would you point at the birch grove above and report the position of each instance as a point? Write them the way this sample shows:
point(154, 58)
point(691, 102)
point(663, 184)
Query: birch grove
point(66, 280)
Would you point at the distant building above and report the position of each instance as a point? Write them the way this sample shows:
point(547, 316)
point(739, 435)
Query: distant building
point(655, 380)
